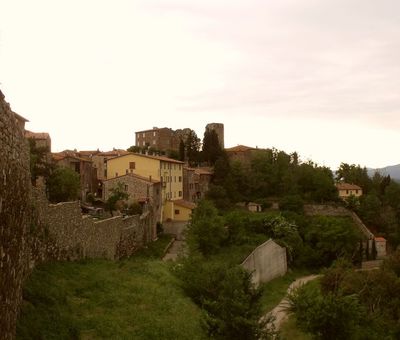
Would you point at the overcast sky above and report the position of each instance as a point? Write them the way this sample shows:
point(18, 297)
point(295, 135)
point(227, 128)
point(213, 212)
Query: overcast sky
point(321, 77)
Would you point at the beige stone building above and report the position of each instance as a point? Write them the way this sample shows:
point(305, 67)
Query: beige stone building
point(345, 190)
point(140, 189)
point(159, 138)
point(196, 182)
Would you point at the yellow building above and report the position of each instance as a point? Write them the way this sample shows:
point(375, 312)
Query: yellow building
point(345, 190)
point(166, 170)
point(179, 210)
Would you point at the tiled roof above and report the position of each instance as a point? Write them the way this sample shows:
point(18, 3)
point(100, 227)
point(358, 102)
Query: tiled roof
point(159, 158)
point(67, 154)
point(147, 179)
point(240, 148)
point(185, 204)
point(115, 153)
point(347, 186)
point(380, 239)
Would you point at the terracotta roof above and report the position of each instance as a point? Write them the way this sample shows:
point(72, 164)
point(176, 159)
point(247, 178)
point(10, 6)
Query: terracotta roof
point(159, 158)
point(115, 153)
point(347, 186)
point(65, 154)
point(380, 239)
point(185, 204)
point(88, 152)
point(240, 148)
point(202, 171)
point(36, 135)
point(147, 179)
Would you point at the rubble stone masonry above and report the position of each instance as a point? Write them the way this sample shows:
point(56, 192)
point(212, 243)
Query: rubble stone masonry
point(14, 216)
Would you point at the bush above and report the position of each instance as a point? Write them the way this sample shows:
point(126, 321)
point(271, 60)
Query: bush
point(227, 295)
point(63, 185)
point(206, 231)
point(292, 203)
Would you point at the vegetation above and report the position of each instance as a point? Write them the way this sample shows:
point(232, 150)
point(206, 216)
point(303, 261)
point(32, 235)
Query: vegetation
point(39, 165)
point(63, 185)
point(132, 299)
point(117, 194)
point(351, 305)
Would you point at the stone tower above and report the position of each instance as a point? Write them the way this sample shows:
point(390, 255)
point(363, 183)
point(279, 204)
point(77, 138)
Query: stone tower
point(219, 129)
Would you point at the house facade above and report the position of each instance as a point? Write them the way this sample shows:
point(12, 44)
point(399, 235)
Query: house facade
point(167, 171)
point(196, 182)
point(140, 189)
point(346, 190)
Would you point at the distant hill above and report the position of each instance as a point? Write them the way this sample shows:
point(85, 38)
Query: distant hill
point(392, 170)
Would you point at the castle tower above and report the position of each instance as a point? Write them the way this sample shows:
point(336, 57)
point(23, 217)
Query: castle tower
point(219, 129)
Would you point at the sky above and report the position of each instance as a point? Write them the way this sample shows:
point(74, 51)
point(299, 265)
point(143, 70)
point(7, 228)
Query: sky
point(318, 77)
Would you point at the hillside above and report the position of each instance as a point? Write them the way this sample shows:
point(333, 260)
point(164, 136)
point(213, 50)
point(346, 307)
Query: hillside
point(392, 170)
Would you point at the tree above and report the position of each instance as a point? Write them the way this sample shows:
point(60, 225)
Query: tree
point(181, 150)
point(38, 161)
point(135, 149)
point(212, 149)
point(354, 174)
point(117, 194)
point(63, 185)
point(206, 230)
point(228, 296)
point(192, 146)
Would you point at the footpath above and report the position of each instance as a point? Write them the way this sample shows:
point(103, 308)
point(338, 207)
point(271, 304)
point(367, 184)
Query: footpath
point(280, 313)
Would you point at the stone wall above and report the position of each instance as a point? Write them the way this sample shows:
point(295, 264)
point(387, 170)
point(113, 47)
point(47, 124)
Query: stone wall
point(266, 262)
point(71, 236)
point(14, 216)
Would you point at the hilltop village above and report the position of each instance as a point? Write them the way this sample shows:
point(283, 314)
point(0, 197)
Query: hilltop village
point(87, 237)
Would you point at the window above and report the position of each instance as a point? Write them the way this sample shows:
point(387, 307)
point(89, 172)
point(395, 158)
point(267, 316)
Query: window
point(105, 173)
point(126, 172)
point(132, 165)
point(116, 174)
point(191, 186)
point(174, 194)
point(126, 187)
point(174, 166)
point(180, 193)
point(176, 211)
point(154, 142)
point(356, 191)
point(347, 192)
point(157, 191)
point(154, 134)
point(175, 179)
point(180, 179)
point(180, 166)
point(144, 134)
point(143, 143)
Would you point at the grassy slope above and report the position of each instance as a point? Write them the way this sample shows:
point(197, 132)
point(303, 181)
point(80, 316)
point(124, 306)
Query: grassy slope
point(131, 299)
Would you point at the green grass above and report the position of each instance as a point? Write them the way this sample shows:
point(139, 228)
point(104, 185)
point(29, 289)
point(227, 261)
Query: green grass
point(275, 290)
point(289, 331)
point(137, 298)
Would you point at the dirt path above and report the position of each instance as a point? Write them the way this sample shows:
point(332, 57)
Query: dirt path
point(279, 313)
point(177, 247)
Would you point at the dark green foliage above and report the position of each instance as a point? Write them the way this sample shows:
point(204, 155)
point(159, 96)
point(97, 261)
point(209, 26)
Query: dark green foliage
point(229, 299)
point(327, 317)
point(134, 149)
point(192, 147)
point(211, 147)
point(292, 203)
point(181, 150)
point(206, 231)
point(354, 174)
point(328, 238)
point(63, 185)
point(363, 305)
point(39, 165)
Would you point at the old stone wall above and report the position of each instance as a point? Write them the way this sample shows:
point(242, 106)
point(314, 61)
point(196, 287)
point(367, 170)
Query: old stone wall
point(14, 216)
point(71, 236)
point(266, 262)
